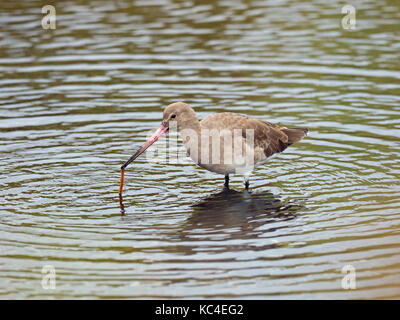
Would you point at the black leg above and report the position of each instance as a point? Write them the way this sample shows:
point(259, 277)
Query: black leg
point(246, 184)
point(226, 184)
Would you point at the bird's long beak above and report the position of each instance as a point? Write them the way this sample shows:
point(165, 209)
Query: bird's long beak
point(160, 131)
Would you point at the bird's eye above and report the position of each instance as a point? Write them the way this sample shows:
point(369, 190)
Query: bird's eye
point(173, 116)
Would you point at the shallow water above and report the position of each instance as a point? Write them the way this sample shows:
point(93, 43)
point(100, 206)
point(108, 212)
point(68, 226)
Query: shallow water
point(76, 102)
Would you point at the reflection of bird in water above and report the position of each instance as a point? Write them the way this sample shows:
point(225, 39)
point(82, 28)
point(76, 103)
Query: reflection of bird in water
point(232, 221)
point(230, 209)
point(251, 219)
point(121, 205)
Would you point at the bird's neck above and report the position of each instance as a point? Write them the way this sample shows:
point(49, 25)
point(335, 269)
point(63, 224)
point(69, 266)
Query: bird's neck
point(190, 132)
point(190, 124)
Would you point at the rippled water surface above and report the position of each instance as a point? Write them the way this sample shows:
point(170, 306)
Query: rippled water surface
point(76, 101)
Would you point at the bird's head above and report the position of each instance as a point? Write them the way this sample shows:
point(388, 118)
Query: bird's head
point(178, 113)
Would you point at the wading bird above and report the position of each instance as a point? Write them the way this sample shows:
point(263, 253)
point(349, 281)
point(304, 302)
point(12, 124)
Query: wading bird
point(224, 143)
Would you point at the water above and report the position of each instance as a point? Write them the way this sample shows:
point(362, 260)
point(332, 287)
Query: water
point(76, 102)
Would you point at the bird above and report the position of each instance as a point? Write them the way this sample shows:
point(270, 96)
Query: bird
point(225, 143)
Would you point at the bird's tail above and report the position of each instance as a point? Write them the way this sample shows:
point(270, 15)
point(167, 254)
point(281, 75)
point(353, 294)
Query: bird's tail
point(295, 134)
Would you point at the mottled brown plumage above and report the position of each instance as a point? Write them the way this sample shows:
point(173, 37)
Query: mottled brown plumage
point(271, 137)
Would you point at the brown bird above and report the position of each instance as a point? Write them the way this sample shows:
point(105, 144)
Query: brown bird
point(224, 143)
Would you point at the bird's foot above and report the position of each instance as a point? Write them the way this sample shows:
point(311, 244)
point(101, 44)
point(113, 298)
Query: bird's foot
point(226, 184)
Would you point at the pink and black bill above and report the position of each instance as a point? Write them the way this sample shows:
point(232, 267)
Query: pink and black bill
point(160, 131)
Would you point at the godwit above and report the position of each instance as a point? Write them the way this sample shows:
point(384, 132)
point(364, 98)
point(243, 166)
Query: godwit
point(224, 143)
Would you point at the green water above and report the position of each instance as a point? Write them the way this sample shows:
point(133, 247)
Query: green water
point(76, 101)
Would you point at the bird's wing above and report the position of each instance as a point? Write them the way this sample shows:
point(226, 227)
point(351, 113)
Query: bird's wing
point(271, 138)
